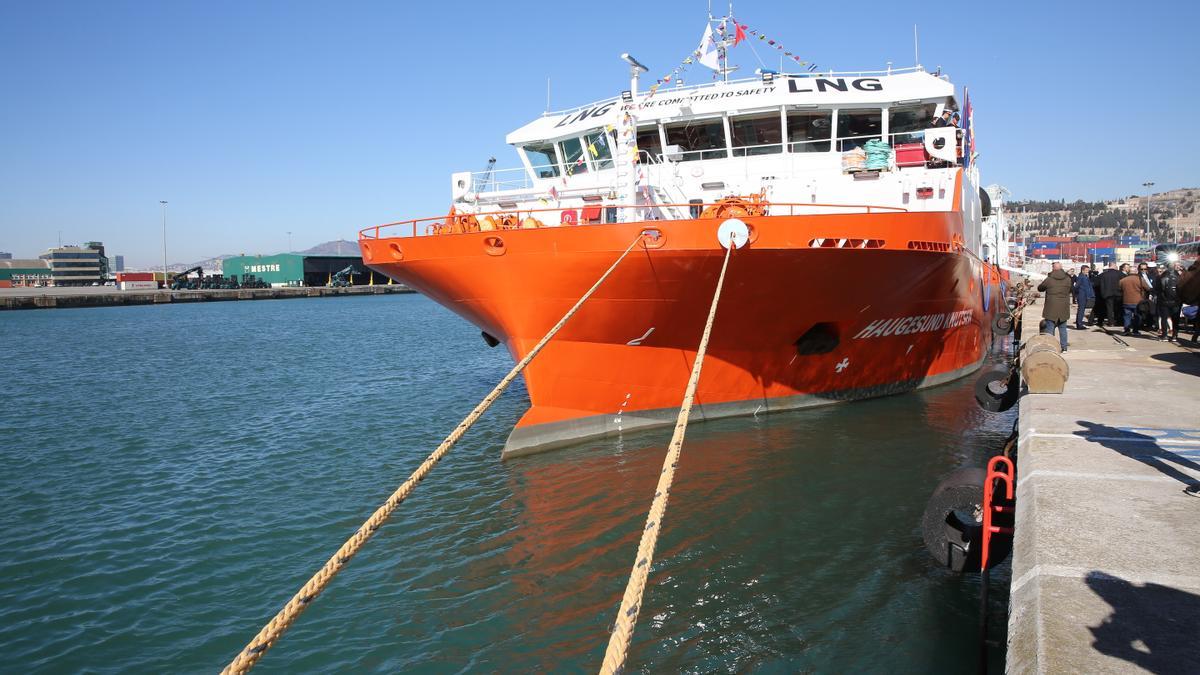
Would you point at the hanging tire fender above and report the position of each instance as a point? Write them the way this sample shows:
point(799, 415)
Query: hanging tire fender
point(952, 525)
point(998, 389)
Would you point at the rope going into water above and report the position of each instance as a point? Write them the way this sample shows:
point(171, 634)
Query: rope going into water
point(618, 643)
point(275, 628)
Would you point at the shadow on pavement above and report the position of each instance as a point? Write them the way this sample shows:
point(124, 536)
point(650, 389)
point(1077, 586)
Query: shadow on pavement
point(1181, 362)
point(1151, 626)
point(1146, 449)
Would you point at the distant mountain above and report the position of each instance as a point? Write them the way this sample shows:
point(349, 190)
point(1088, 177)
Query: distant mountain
point(336, 247)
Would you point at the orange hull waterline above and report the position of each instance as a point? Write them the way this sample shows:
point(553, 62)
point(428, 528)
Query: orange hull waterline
point(797, 326)
point(863, 273)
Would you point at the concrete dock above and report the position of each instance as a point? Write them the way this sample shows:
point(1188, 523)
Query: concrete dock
point(106, 296)
point(1106, 560)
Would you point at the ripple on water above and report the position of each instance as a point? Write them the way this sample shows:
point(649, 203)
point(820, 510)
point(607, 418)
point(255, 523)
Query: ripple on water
point(158, 512)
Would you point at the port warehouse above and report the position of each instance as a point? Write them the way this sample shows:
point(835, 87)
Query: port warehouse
point(61, 266)
point(16, 272)
point(298, 269)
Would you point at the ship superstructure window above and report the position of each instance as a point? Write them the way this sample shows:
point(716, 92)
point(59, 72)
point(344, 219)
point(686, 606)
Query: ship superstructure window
point(809, 130)
point(649, 142)
point(698, 139)
point(757, 134)
point(598, 148)
point(542, 158)
point(856, 127)
point(573, 159)
point(907, 124)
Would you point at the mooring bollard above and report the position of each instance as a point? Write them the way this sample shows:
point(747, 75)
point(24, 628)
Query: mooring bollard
point(1042, 366)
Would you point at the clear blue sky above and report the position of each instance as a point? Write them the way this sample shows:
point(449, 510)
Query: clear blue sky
point(256, 118)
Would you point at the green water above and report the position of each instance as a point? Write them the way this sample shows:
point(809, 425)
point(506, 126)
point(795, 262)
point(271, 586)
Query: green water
point(173, 474)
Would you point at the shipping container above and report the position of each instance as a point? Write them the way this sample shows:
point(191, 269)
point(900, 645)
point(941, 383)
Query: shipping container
point(1083, 238)
point(137, 276)
point(139, 285)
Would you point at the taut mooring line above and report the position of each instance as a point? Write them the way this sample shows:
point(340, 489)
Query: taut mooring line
point(618, 643)
point(283, 620)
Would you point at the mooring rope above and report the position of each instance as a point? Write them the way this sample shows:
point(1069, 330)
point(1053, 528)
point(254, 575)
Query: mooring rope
point(631, 603)
point(275, 628)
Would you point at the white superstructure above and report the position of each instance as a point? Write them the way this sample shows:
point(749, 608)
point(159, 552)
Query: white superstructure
point(786, 137)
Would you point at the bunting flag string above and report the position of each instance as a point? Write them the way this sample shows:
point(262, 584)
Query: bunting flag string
point(743, 30)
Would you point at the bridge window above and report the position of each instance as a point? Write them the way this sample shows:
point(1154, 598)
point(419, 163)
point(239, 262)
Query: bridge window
point(573, 160)
point(856, 127)
point(758, 134)
point(809, 130)
point(541, 158)
point(649, 142)
point(598, 146)
point(699, 139)
point(907, 124)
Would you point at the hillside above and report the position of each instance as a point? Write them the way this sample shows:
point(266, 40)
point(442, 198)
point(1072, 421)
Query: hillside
point(1172, 212)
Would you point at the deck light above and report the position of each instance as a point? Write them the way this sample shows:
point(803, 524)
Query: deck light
point(768, 76)
point(627, 96)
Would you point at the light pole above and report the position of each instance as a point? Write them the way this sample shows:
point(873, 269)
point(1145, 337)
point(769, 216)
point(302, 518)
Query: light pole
point(164, 214)
point(289, 241)
point(1148, 185)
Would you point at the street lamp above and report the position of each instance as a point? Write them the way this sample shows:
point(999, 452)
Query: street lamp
point(164, 215)
point(1148, 185)
point(289, 241)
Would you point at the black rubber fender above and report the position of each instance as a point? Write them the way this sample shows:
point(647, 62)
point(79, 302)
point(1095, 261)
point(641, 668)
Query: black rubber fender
point(1002, 324)
point(997, 389)
point(952, 525)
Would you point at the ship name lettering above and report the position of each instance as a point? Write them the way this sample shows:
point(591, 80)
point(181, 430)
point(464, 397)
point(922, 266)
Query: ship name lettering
point(840, 84)
point(584, 114)
point(908, 325)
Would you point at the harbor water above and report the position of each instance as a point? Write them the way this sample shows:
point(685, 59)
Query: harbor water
point(173, 474)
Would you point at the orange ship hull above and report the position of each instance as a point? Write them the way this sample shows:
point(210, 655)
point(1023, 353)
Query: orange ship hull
point(809, 314)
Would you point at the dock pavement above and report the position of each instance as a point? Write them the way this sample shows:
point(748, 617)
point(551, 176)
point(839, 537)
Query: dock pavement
point(1106, 557)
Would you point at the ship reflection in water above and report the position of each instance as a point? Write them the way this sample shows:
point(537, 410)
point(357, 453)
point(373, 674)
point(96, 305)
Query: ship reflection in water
point(791, 540)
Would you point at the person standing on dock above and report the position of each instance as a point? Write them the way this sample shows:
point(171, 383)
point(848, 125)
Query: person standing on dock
point(1110, 292)
point(1057, 309)
point(1085, 296)
point(1133, 293)
point(1166, 287)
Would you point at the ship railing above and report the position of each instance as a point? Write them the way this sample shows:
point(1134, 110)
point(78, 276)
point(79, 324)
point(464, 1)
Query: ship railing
point(437, 225)
point(501, 180)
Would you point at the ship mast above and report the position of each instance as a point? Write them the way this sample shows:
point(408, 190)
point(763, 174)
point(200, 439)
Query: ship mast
point(627, 166)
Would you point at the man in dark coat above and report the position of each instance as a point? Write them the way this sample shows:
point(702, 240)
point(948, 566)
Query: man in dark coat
point(1099, 313)
point(1057, 309)
point(1166, 289)
point(1110, 293)
point(1084, 295)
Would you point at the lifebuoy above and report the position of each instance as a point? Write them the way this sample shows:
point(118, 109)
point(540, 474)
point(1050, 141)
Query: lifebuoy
point(569, 217)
